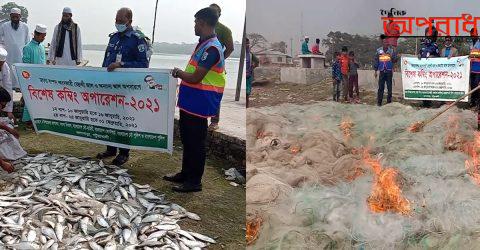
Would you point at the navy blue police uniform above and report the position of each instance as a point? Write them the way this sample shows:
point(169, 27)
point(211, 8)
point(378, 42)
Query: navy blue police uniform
point(130, 50)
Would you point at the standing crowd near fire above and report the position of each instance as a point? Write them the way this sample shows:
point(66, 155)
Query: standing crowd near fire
point(200, 90)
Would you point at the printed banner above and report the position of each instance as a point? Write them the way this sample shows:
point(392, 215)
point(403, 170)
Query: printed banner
point(128, 108)
point(437, 79)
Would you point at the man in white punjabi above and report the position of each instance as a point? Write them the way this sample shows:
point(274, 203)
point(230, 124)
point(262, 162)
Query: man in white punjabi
point(66, 45)
point(14, 35)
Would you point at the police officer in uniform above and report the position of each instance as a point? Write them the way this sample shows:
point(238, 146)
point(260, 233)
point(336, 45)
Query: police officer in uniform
point(126, 49)
point(429, 49)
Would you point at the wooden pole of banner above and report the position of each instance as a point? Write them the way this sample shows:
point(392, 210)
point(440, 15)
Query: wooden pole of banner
point(420, 125)
point(242, 62)
point(154, 23)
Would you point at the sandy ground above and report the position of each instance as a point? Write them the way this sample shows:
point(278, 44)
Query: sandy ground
point(221, 206)
point(272, 94)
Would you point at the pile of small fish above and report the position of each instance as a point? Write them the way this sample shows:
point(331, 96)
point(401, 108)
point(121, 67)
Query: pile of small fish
point(61, 202)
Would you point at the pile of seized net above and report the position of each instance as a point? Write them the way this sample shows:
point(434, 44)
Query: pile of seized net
point(309, 184)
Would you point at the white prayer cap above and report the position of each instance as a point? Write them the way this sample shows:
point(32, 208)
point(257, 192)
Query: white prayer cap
point(15, 11)
point(67, 10)
point(41, 28)
point(3, 54)
point(306, 37)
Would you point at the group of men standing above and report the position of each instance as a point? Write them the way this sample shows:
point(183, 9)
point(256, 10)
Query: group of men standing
point(17, 46)
point(386, 57)
point(202, 81)
point(65, 49)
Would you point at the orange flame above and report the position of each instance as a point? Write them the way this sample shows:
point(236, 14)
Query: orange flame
point(386, 194)
point(473, 165)
point(415, 127)
point(295, 149)
point(346, 126)
point(253, 228)
point(358, 171)
point(262, 134)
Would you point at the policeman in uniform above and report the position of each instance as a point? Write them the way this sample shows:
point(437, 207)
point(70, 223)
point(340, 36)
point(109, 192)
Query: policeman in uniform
point(126, 49)
point(429, 49)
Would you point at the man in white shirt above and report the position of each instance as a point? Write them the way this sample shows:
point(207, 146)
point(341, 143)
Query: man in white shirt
point(5, 82)
point(66, 45)
point(14, 35)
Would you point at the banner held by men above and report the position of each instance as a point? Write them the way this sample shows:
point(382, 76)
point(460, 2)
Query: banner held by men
point(436, 79)
point(130, 108)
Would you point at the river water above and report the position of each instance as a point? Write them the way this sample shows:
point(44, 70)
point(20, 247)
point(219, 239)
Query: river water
point(169, 61)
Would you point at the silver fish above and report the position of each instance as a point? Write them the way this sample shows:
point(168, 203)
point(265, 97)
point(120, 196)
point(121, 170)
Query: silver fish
point(193, 216)
point(152, 218)
point(111, 245)
point(102, 222)
point(24, 246)
point(83, 184)
point(166, 227)
point(124, 193)
point(49, 233)
point(126, 233)
point(48, 244)
point(151, 196)
point(101, 235)
point(132, 191)
point(104, 210)
point(120, 171)
point(54, 246)
point(203, 237)
point(111, 212)
point(124, 222)
point(192, 244)
point(59, 231)
point(31, 235)
point(84, 225)
point(156, 235)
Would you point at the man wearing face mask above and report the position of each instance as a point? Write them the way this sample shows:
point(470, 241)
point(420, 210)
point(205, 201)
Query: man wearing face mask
point(14, 35)
point(126, 49)
point(66, 45)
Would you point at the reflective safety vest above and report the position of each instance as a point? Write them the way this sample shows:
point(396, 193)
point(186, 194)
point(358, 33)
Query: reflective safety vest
point(385, 62)
point(203, 99)
point(385, 58)
point(475, 60)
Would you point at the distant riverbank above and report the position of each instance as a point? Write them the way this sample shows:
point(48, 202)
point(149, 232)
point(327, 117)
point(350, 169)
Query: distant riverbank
point(167, 48)
point(169, 61)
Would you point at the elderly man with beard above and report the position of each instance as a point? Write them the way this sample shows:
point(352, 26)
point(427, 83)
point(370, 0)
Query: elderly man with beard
point(66, 45)
point(14, 35)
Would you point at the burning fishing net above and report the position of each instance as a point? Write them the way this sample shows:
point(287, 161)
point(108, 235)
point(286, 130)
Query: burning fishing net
point(380, 187)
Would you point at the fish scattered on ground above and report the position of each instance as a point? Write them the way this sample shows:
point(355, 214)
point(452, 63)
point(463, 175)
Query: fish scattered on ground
point(62, 202)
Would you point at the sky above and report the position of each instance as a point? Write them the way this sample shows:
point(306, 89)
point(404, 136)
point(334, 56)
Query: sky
point(281, 20)
point(96, 18)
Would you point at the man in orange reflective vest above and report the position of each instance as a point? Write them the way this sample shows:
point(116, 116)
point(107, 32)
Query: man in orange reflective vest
point(385, 57)
point(199, 98)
